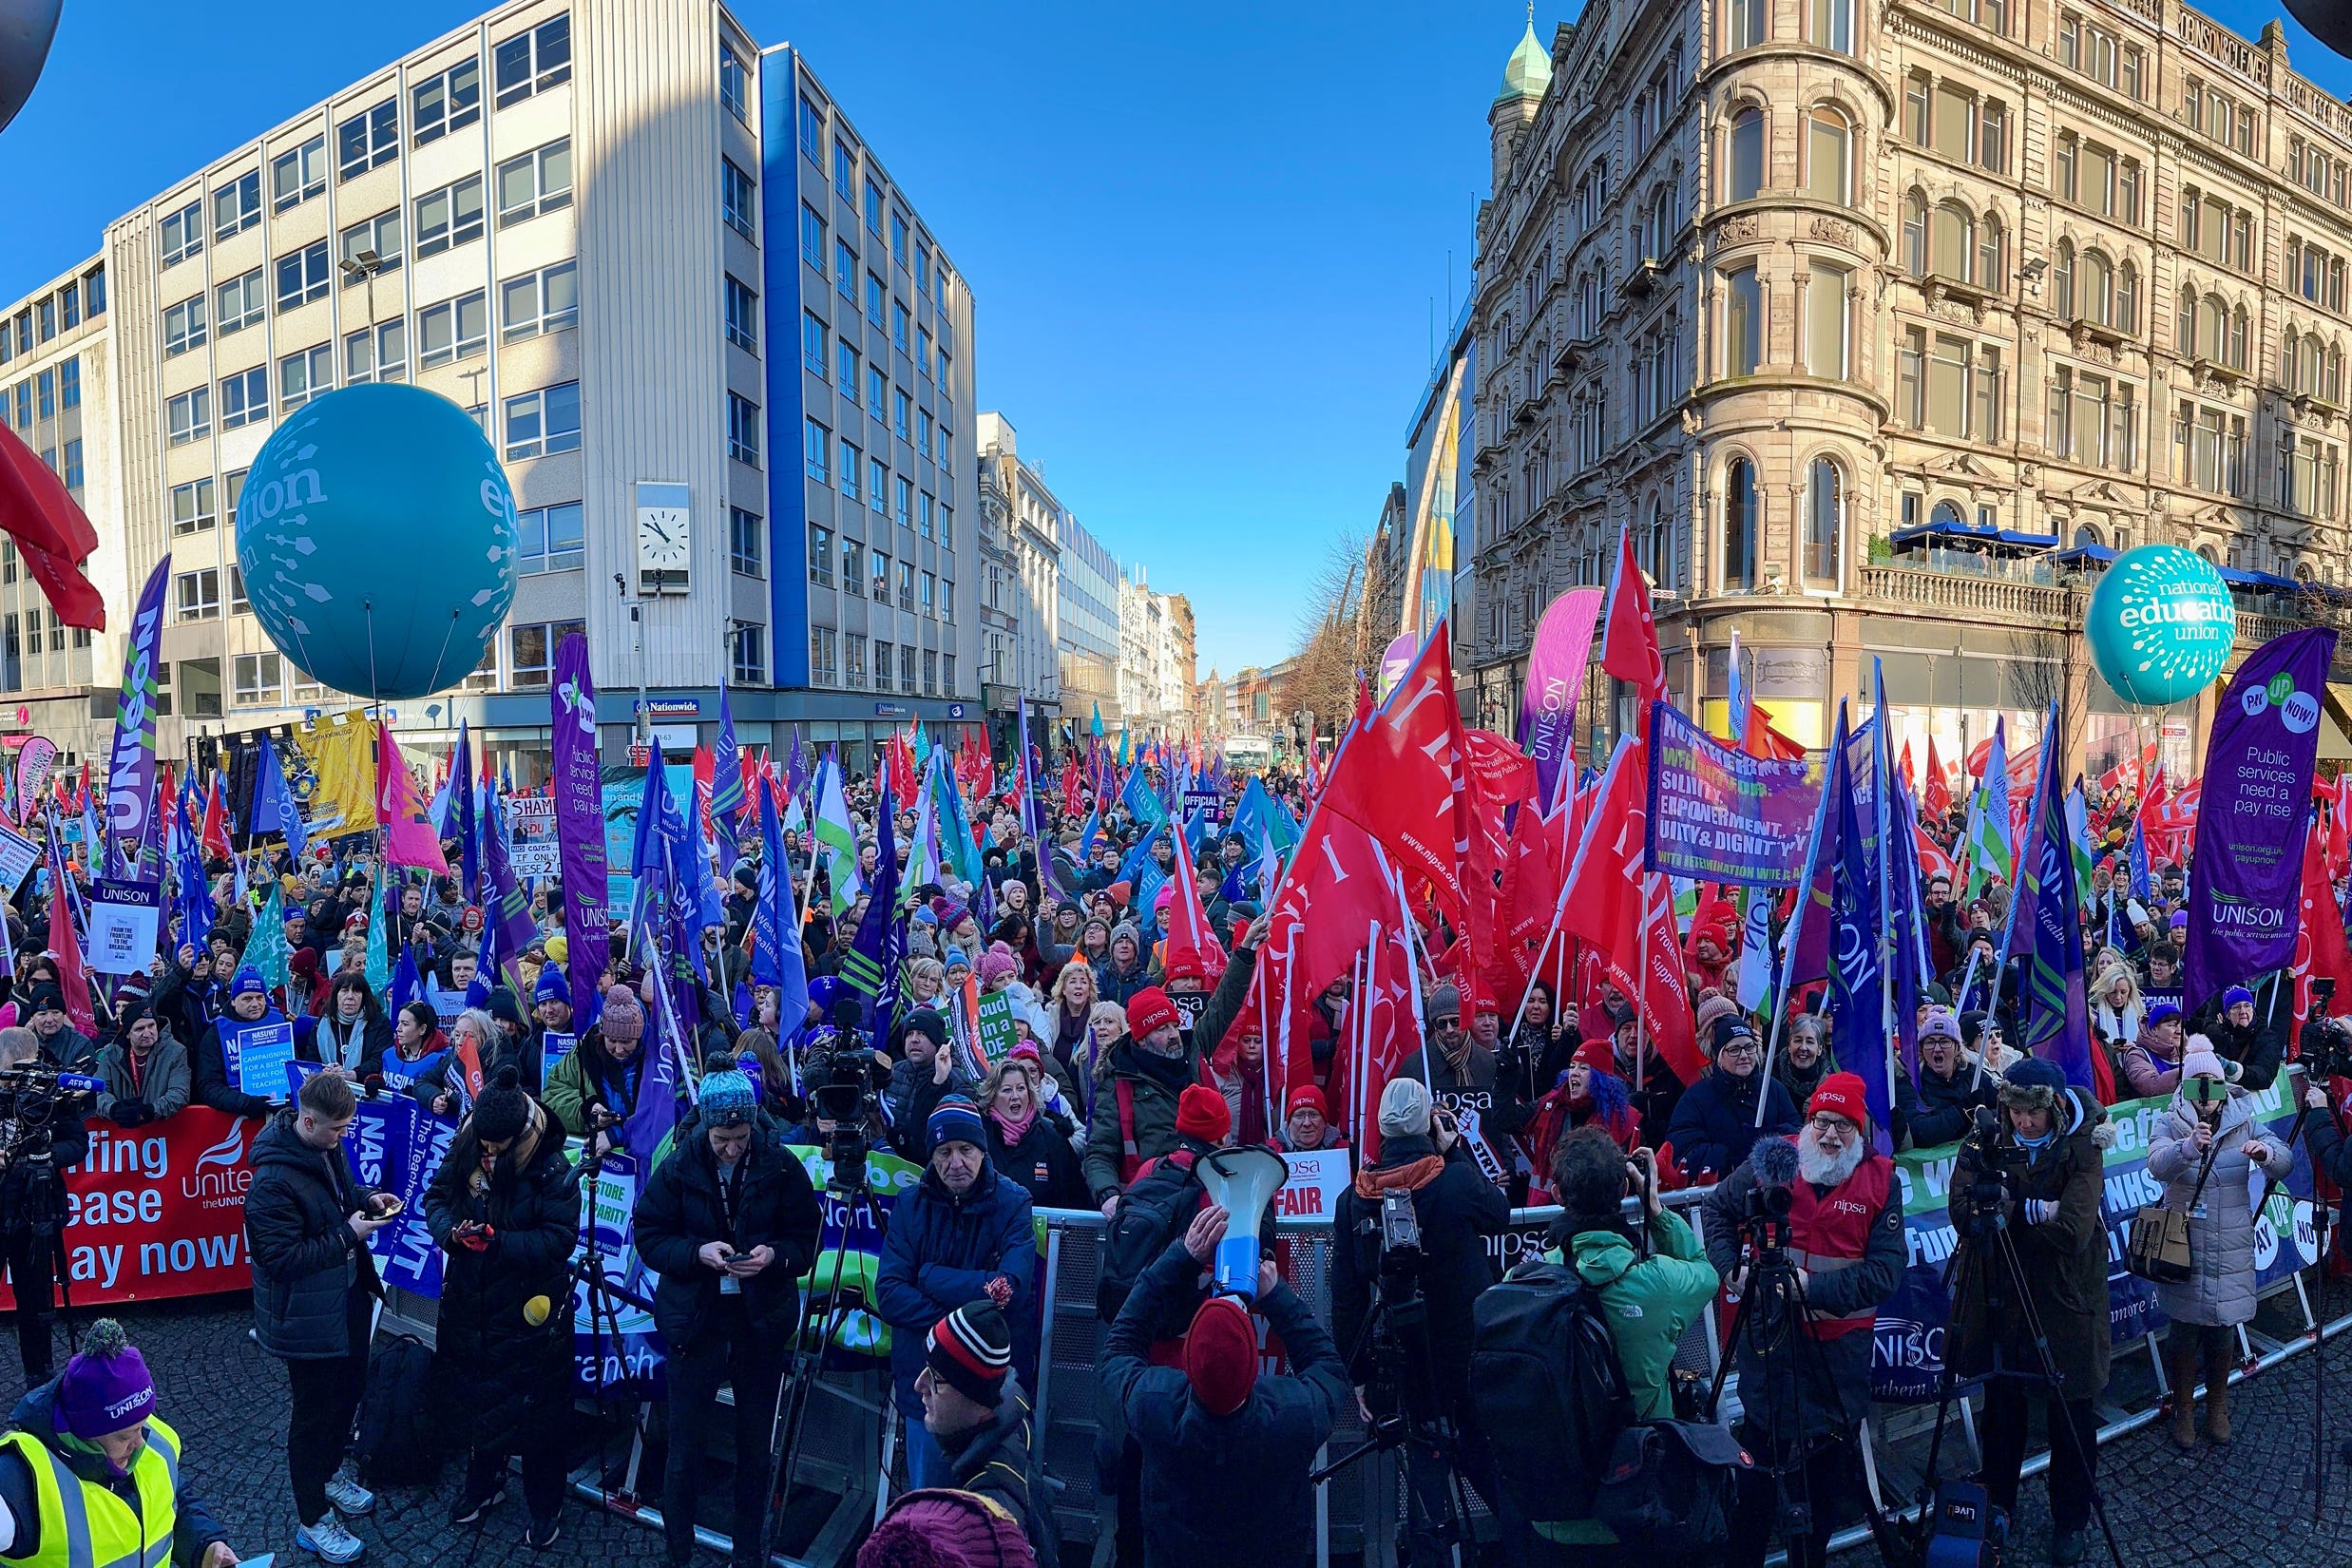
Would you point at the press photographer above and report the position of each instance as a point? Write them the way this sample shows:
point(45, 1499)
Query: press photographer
point(1402, 1286)
point(1818, 1240)
point(2036, 1169)
point(41, 1134)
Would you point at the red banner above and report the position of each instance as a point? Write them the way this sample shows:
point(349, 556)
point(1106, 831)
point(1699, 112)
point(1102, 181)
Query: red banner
point(159, 1211)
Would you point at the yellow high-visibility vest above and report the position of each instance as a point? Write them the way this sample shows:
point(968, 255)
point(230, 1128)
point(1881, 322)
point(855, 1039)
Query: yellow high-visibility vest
point(85, 1524)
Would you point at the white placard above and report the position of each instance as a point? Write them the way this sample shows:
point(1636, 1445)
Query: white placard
point(123, 916)
point(1318, 1178)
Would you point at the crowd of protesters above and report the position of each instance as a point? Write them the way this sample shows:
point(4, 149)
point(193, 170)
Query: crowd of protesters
point(1126, 1067)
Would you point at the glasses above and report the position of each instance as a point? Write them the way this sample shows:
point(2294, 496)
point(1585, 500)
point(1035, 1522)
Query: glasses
point(1836, 1124)
point(1740, 1048)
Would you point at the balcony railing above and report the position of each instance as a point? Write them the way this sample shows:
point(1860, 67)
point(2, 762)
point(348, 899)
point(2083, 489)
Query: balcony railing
point(1962, 594)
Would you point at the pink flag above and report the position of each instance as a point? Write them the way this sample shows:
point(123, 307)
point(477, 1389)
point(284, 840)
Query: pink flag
point(408, 837)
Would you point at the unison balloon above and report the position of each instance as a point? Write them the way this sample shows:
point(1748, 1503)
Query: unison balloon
point(2161, 624)
point(377, 532)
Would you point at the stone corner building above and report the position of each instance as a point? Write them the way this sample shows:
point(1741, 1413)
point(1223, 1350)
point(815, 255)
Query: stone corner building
point(1883, 324)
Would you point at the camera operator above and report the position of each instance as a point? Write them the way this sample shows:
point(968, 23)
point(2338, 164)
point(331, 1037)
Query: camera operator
point(2039, 1168)
point(1422, 1154)
point(730, 1222)
point(594, 1086)
point(1648, 1297)
point(1805, 1387)
point(32, 1192)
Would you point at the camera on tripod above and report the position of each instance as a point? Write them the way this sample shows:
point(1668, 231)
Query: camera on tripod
point(32, 1095)
point(841, 1092)
point(1399, 1316)
point(2326, 1041)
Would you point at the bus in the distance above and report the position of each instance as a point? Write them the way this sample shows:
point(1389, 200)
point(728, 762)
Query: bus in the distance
point(1247, 754)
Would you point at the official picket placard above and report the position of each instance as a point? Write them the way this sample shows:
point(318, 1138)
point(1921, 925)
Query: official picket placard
point(1720, 816)
point(122, 917)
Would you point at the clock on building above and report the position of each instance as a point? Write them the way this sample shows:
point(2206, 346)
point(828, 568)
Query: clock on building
point(664, 537)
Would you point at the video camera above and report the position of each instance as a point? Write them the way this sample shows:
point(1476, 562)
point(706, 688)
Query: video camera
point(2326, 1041)
point(32, 1094)
point(841, 1092)
point(1764, 1223)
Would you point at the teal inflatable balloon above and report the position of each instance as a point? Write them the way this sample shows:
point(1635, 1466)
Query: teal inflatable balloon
point(2161, 624)
point(377, 536)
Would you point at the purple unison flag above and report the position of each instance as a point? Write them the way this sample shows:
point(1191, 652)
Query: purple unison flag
point(2245, 882)
point(510, 914)
point(130, 763)
point(579, 825)
point(1556, 667)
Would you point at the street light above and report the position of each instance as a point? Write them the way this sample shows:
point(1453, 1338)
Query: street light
point(366, 264)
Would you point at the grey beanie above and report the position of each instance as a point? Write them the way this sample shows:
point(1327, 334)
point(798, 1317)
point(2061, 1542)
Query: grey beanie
point(1126, 928)
point(1445, 1002)
point(1404, 1109)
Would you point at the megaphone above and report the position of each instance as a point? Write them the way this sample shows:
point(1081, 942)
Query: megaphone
point(1242, 1182)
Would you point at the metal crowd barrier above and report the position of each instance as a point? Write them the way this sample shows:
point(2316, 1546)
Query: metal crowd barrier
point(852, 1453)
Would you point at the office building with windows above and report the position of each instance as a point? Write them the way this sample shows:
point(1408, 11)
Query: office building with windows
point(678, 288)
point(1086, 628)
point(1021, 567)
point(57, 397)
point(1883, 325)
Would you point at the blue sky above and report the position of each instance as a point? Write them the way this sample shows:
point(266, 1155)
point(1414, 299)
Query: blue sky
point(1206, 245)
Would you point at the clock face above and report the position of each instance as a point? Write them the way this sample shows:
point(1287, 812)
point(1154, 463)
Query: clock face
point(662, 542)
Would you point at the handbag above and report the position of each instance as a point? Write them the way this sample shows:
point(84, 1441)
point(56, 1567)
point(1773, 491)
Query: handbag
point(1671, 1489)
point(2157, 1248)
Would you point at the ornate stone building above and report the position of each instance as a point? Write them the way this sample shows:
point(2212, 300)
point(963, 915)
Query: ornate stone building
point(1883, 324)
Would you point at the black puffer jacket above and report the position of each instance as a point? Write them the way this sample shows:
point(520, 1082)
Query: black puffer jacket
point(306, 1261)
point(680, 1212)
point(481, 1336)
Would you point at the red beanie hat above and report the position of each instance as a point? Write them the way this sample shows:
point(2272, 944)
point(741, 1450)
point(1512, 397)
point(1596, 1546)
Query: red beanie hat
point(1841, 1093)
point(1149, 1009)
point(1201, 1113)
point(1307, 1093)
point(1221, 1353)
point(1599, 1054)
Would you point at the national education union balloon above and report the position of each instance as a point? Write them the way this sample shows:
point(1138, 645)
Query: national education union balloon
point(377, 536)
point(2161, 624)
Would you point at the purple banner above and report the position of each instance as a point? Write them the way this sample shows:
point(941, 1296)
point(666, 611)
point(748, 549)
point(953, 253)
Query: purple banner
point(130, 765)
point(1721, 815)
point(1547, 706)
point(2245, 881)
point(579, 825)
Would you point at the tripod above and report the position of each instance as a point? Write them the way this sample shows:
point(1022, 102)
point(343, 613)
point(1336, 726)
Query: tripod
point(1772, 1313)
point(847, 1180)
point(2322, 1220)
point(1413, 1417)
point(604, 1297)
point(2004, 1284)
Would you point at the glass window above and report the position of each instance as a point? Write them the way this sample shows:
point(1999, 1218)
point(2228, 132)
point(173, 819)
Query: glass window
point(1747, 155)
point(1739, 523)
point(299, 173)
point(70, 383)
point(449, 102)
point(304, 375)
point(553, 537)
point(184, 326)
point(188, 416)
point(182, 235)
point(535, 60)
point(259, 678)
point(367, 138)
point(844, 273)
point(236, 206)
point(1743, 323)
point(817, 448)
point(733, 81)
point(820, 556)
point(537, 181)
point(1830, 24)
point(192, 507)
point(546, 300)
point(198, 594)
point(452, 330)
point(1826, 140)
point(450, 216)
point(812, 235)
point(742, 429)
point(380, 234)
point(1747, 23)
point(245, 398)
point(376, 354)
point(1825, 320)
point(302, 276)
point(749, 646)
point(543, 422)
point(532, 649)
point(746, 543)
point(744, 315)
point(812, 338)
point(734, 197)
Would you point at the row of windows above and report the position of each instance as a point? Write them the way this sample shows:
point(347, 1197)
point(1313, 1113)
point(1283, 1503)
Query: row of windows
point(528, 63)
point(1956, 122)
point(62, 309)
point(887, 494)
point(1826, 174)
point(1829, 23)
point(864, 571)
point(1820, 546)
point(1826, 316)
point(916, 254)
point(933, 357)
point(825, 667)
point(40, 395)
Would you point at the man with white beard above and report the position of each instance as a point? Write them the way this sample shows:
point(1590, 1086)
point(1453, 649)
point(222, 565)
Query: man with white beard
point(1803, 1395)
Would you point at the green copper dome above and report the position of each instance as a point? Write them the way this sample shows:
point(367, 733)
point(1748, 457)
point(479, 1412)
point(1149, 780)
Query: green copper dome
point(1529, 70)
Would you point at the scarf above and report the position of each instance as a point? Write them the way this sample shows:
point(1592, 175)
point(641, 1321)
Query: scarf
point(1013, 1131)
point(1252, 1122)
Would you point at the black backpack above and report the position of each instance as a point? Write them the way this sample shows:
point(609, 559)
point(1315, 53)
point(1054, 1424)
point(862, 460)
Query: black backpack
point(399, 1442)
point(1543, 1368)
point(1153, 1211)
point(1671, 1491)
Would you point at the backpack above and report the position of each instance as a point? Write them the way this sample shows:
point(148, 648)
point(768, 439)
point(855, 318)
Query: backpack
point(1669, 1493)
point(1545, 1368)
point(399, 1441)
point(1153, 1211)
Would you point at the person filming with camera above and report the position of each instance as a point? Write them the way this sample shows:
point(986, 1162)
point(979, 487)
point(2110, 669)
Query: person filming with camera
point(1809, 1223)
point(50, 1137)
point(2035, 1168)
point(1422, 1159)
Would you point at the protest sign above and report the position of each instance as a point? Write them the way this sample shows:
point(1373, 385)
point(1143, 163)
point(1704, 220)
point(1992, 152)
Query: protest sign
point(531, 819)
point(18, 856)
point(256, 1054)
point(995, 1026)
point(122, 917)
point(1720, 816)
point(1318, 1178)
point(158, 1210)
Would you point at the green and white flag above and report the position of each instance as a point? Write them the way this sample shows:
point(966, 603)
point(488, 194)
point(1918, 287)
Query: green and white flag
point(838, 837)
point(1989, 855)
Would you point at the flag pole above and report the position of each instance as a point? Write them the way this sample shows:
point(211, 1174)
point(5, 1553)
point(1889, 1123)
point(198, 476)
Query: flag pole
point(1780, 997)
point(1883, 793)
point(1641, 980)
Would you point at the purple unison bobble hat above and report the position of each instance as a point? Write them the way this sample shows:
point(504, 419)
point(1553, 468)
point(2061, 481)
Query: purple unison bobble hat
point(105, 1387)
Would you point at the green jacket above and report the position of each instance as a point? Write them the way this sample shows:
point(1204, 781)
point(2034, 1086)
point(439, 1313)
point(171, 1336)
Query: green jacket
point(1649, 1302)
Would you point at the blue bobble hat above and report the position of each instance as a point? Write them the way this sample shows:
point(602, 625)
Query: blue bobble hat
point(247, 983)
point(726, 1098)
point(956, 1120)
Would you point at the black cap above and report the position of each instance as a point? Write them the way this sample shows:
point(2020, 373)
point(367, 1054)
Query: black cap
point(928, 1022)
point(504, 1110)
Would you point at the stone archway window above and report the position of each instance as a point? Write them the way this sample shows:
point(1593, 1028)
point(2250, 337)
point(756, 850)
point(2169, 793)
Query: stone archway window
point(1825, 523)
point(1740, 508)
point(1828, 153)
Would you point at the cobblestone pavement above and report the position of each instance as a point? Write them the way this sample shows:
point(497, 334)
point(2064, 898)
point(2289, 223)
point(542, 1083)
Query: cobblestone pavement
point(2248, 1506)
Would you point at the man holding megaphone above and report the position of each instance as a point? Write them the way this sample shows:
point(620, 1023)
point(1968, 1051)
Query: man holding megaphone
point(1225, 1450)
